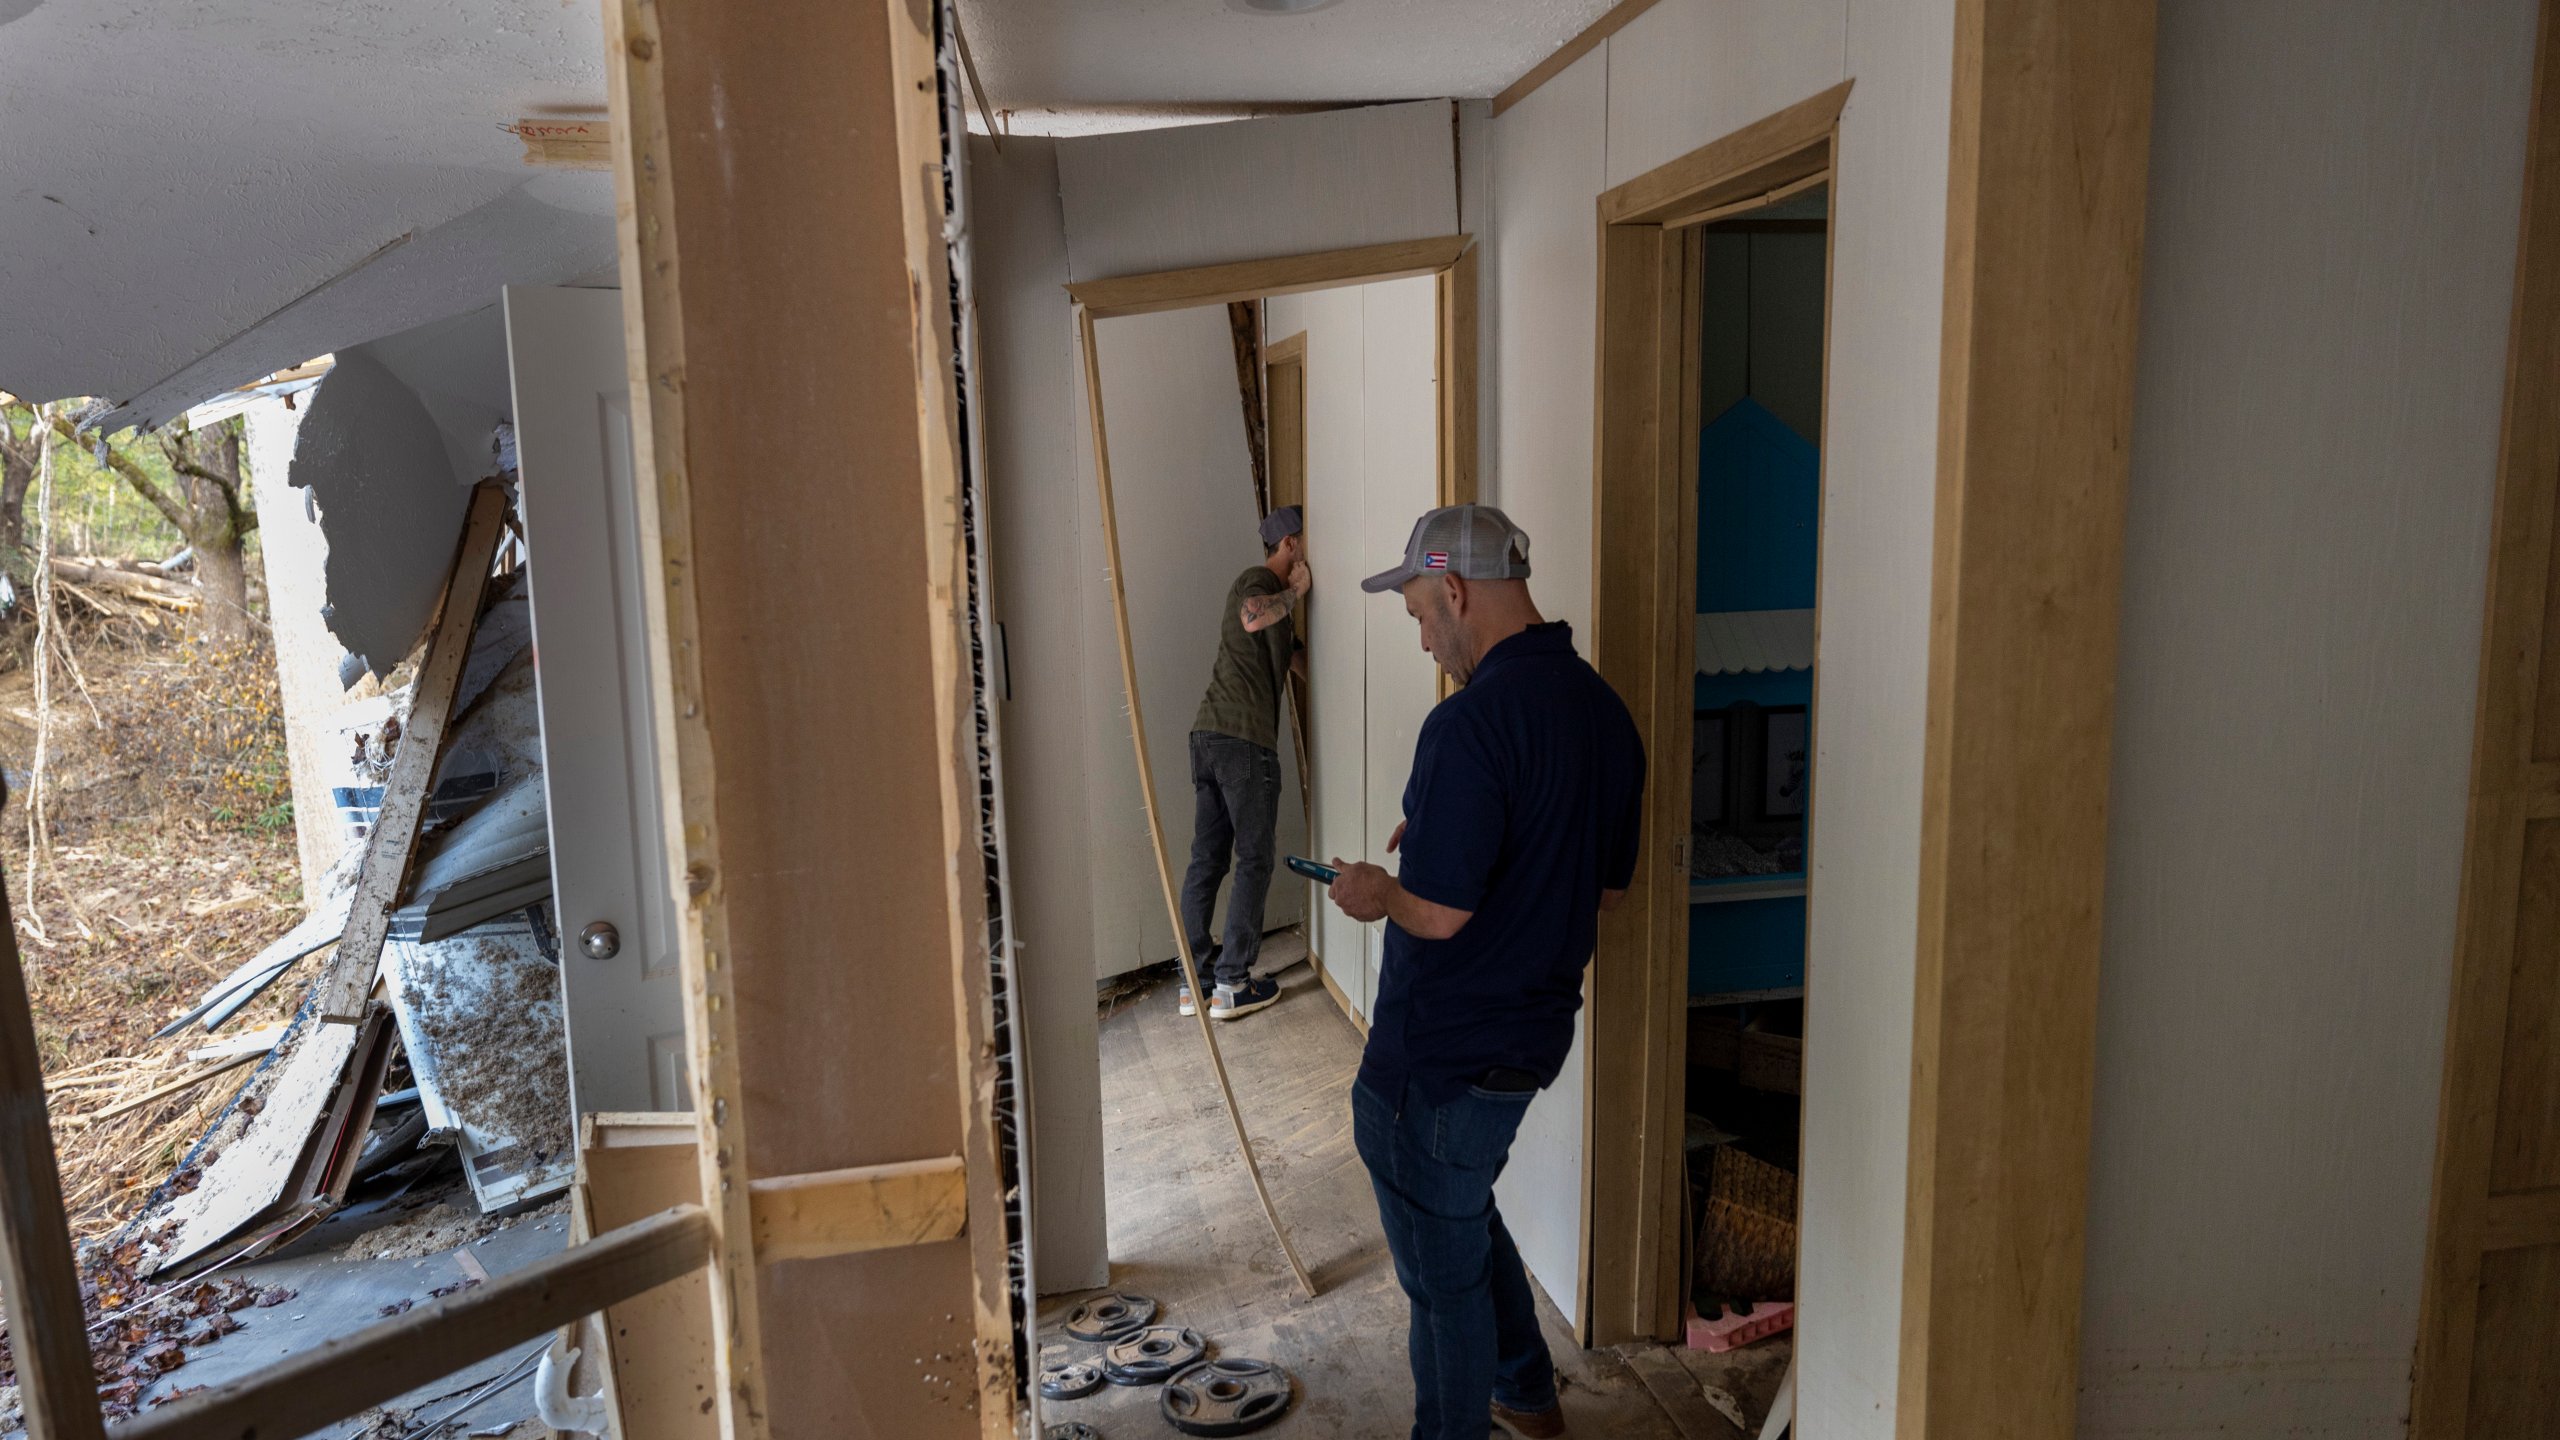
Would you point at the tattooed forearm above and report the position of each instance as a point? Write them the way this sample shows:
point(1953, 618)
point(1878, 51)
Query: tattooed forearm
point(1261, 612)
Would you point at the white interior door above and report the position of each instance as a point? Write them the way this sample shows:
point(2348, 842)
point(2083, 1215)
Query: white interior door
point(591, 666)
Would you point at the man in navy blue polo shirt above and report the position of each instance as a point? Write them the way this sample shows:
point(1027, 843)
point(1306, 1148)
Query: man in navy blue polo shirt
point(1520, 826)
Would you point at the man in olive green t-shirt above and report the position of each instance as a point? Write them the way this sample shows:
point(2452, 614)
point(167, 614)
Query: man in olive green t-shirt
point(1235, 768)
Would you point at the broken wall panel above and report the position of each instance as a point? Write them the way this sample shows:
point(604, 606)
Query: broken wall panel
point(1172, 199)
point(479, 1015)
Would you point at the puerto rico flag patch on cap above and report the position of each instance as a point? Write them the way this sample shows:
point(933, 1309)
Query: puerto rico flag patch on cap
point(1435, 559)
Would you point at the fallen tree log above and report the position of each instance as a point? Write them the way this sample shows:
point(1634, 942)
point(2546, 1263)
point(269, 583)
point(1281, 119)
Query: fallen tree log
point(149, 589)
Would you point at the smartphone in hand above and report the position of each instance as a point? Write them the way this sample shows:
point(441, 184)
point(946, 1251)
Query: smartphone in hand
point(1324, 874)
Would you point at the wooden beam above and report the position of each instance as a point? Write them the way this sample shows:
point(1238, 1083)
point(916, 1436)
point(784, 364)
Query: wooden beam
point(1147, 790)
point(2510, 876)
point(48, 1326)
point(558, 144)
point(960, 920)
point(2046, 173)
point(2518, 1222)
point(347, 983)
point(833, 938)
point(381, 1362)
point(870, 1207)
point(1759, 160)
point(1252, 279)
point(653, 322)
point(1457, 369)
point(1572, 50)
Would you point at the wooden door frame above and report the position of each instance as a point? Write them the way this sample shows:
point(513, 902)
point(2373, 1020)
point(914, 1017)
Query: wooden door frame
point(1644, 578)
point(2047, 169)
point(1450, 259)
point(2515, 784)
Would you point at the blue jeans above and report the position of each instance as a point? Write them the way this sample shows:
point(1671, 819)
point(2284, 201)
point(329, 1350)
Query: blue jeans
point(1474, 1337)
point(1235, 788)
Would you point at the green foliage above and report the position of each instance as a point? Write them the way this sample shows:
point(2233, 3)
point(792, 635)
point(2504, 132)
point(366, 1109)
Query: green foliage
point(95, 512)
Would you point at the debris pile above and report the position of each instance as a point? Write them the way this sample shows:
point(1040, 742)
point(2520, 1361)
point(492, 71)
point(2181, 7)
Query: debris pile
point(465, 1014)
point(456, 1059)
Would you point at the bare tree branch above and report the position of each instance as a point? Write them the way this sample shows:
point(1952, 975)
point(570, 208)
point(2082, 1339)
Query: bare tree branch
point(133, 474)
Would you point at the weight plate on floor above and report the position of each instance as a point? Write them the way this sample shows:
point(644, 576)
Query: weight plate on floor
point(1225, 1397)
point(1073, 1430)
point(1154, 1356)
point(1109, 1317)
point(1069, 1379)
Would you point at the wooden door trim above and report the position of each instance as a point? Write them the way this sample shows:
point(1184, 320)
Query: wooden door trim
point(1644, 528)
point(2046, 192)
point(2511, 787)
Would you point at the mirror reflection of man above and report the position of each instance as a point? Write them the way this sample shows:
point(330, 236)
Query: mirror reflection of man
point(1520, 827)
point(1235, 768)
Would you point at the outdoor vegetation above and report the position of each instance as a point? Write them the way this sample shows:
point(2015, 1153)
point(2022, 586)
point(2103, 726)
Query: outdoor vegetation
point(148, 833)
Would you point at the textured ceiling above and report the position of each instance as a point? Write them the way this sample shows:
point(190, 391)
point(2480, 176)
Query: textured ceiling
point(194, 194)
point(1072, 55)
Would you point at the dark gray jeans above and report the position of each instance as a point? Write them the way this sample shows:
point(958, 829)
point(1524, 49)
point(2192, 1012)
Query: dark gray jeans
point(1235, 788)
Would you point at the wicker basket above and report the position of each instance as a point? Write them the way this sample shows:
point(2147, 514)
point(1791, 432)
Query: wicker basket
point(1747, 1247)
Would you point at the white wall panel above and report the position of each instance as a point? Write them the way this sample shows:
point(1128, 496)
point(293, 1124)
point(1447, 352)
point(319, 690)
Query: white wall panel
point(1400, 452)
point(1687, 71)
point(1372, 469)
point(2324, 331)
point(1880, 448)
point(1677, 78)
point(1036, 515)
point(1170, 199)
point(1183, 491)
point(1542, 278)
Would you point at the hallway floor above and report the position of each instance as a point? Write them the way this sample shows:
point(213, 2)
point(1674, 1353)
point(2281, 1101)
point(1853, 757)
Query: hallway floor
point(1185, 1230)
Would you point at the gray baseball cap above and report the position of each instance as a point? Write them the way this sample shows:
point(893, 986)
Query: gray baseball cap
point(1282, 523)
point(1472, 542)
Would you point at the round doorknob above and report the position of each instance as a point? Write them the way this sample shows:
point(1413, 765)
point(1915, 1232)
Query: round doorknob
point(600, 940)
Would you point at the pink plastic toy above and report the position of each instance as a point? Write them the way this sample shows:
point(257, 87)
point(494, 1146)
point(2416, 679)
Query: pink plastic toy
point(1729, 1331)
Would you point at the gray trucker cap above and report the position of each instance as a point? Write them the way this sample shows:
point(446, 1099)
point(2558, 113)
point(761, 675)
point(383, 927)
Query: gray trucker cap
point(1282, 523)
point(1472, 542)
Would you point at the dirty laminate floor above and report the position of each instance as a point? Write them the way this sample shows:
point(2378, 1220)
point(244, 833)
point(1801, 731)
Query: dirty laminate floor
point(1185, 1230)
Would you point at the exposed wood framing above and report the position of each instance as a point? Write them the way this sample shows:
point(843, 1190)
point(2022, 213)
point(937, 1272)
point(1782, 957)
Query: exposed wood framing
point(1644, 563)
point(559, 144)
point(932, 352)
point(1244, 325)
point(2045, 179)
point(816, 685)
point(1252, 279)
point(48, 1328)
point(1572, 50)
point(1456, 350)
point(871, 1207)
point(345, 987)
point(2489, 1317)
point(340, 1377)
point(1147, 788)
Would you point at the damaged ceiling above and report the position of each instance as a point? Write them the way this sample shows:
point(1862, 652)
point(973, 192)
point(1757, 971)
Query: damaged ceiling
point(1120, 57)
point(195, 196)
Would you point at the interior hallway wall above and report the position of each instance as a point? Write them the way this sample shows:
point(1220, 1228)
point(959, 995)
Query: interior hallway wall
point(1182, 488)
point(1361, 177)
point(1036, 507)
point(2332, 234)
point(1678, 76)
point(1372, 469)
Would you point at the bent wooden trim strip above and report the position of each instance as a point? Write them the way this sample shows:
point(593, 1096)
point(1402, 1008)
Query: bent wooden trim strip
point(1147, 787)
